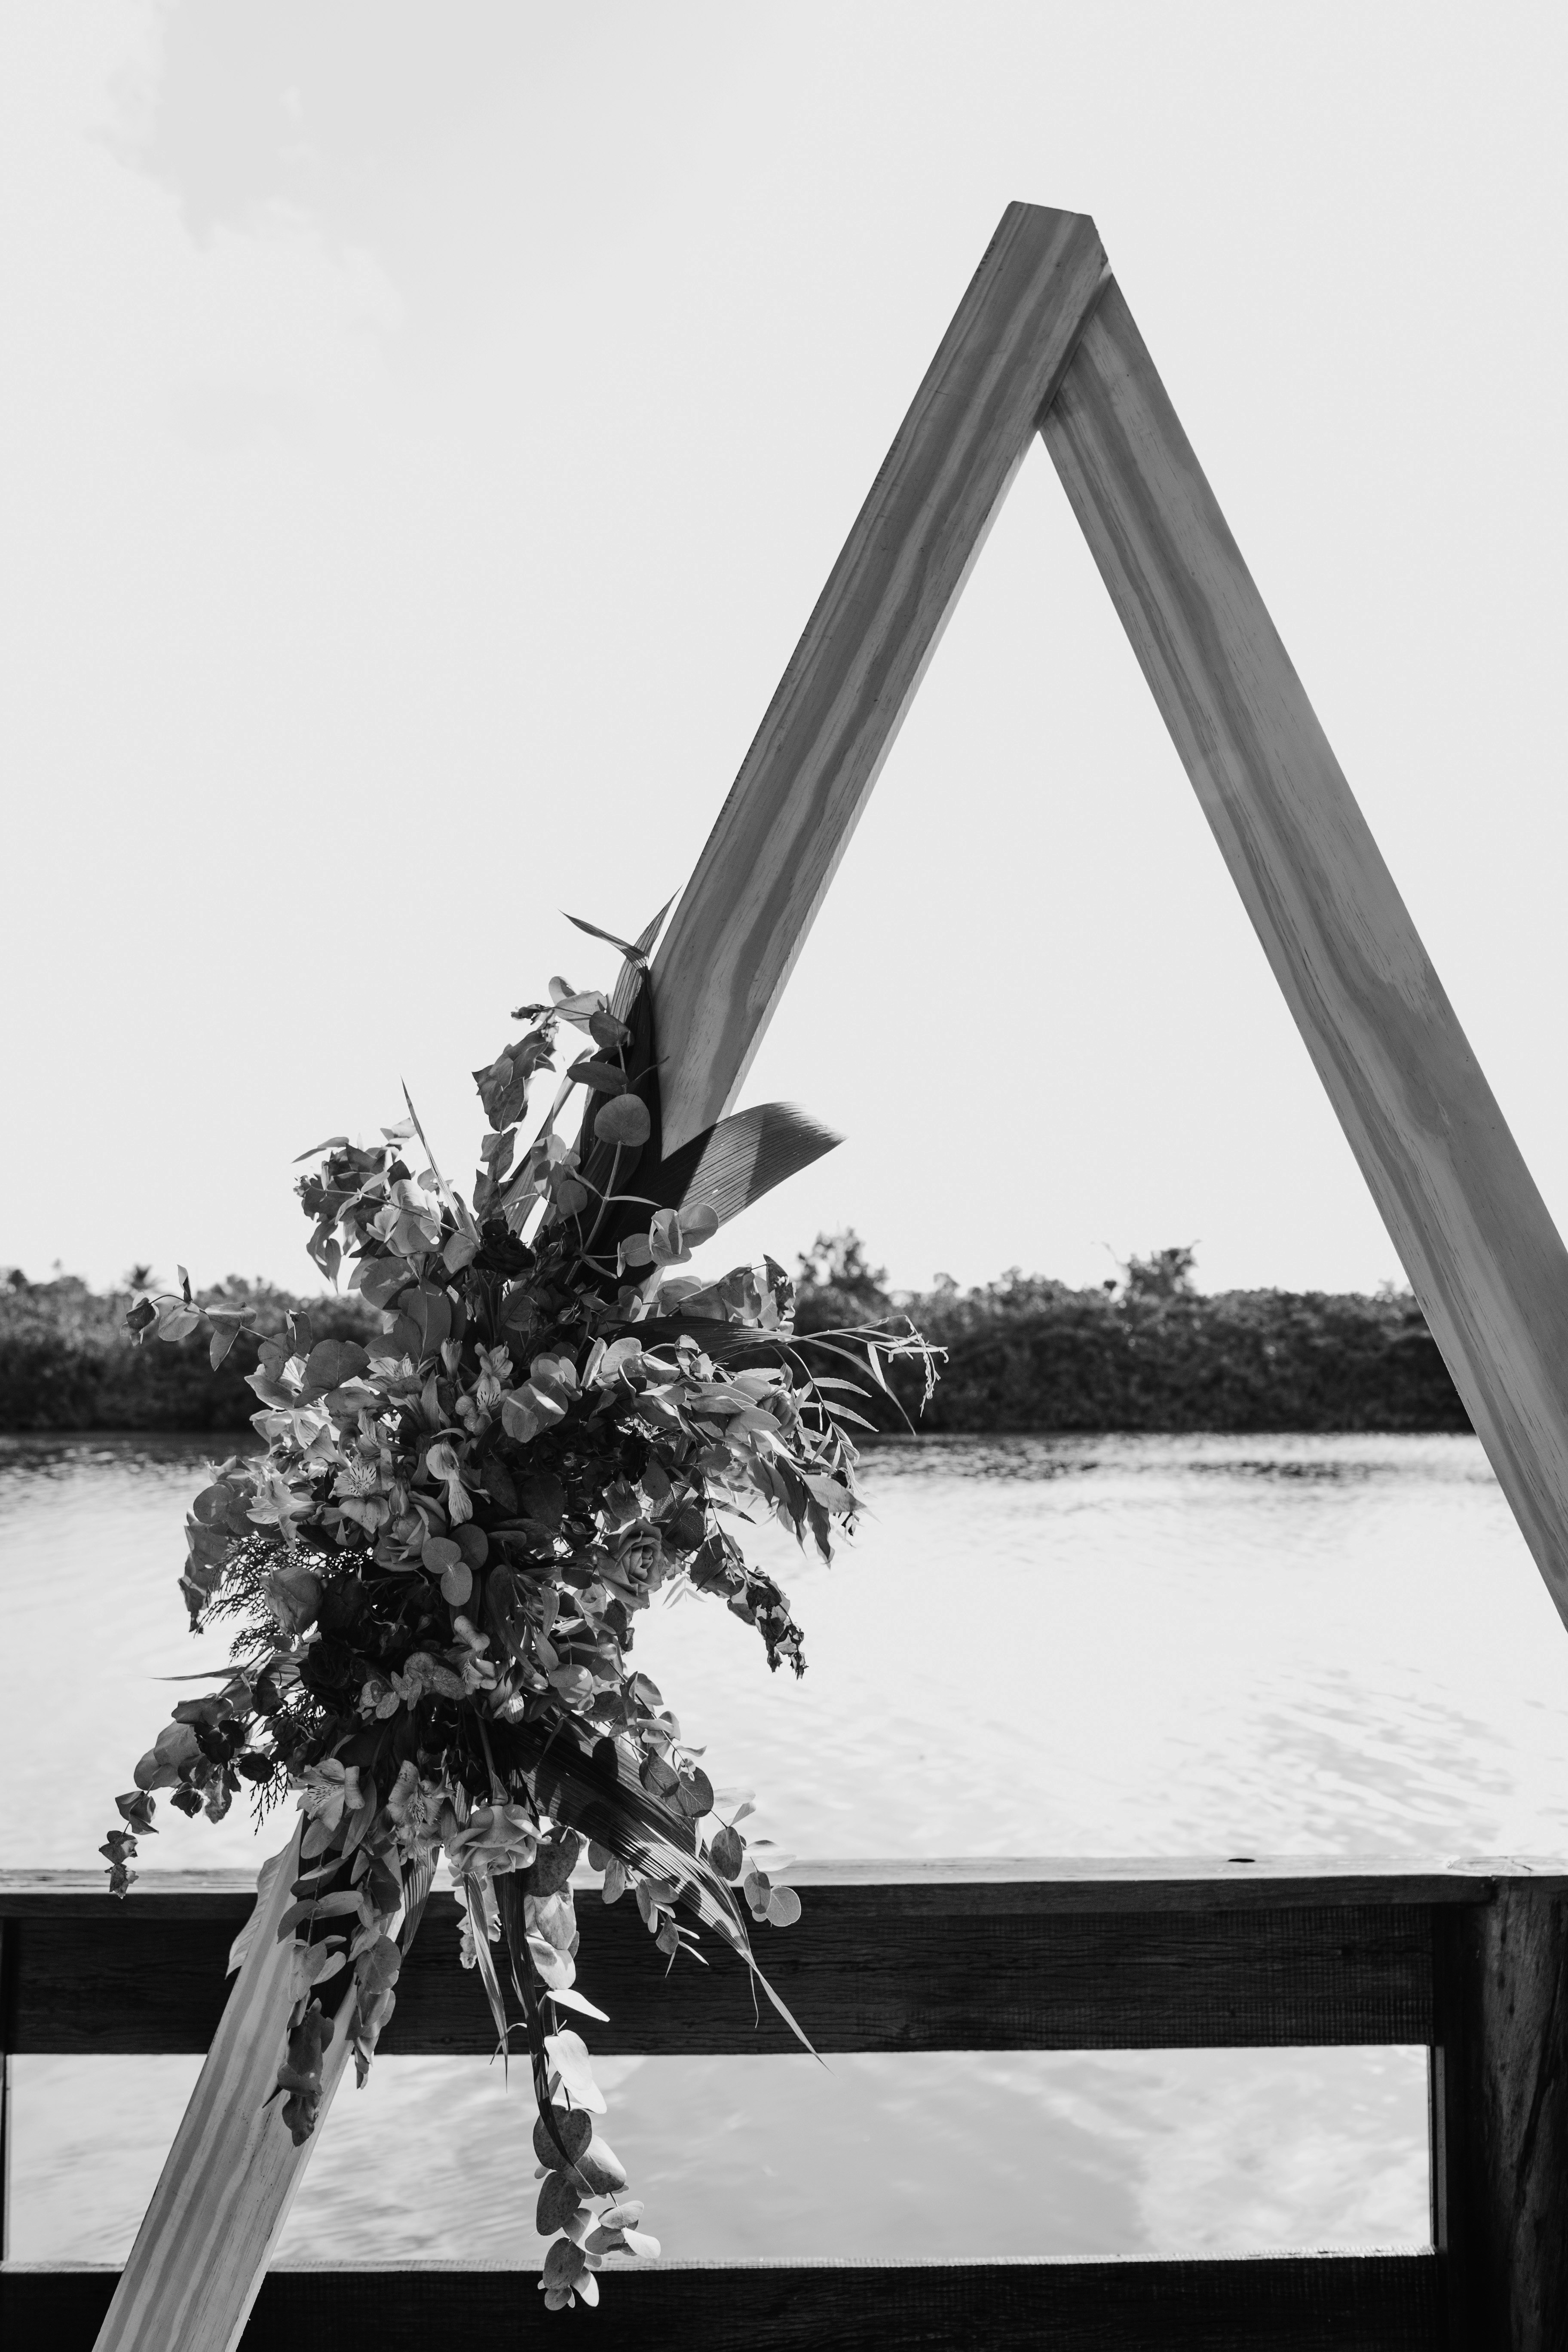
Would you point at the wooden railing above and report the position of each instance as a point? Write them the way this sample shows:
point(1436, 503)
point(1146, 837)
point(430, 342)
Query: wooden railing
point(1466, 1960)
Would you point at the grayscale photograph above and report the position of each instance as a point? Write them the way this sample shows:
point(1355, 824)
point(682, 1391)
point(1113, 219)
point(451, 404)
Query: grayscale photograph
point(783, 1334)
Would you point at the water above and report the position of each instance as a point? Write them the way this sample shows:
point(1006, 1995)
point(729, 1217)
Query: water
point(1117, 1647)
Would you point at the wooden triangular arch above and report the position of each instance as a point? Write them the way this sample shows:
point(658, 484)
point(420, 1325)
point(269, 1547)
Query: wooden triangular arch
point(1044, 342)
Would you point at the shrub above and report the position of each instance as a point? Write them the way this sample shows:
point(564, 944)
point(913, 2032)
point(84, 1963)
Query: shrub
point(65, 1361)
point(1151, 1351)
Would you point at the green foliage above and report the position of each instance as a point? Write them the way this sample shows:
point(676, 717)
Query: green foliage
point(1168, 1274)
point(533, 1421)
point(835, 1284)
point(68, 1362)
point(1025, 1353)
point(1150, 1352)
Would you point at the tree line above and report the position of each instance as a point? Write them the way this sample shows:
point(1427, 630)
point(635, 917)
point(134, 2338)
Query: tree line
point(1146, 1351)
point(1149, 1350)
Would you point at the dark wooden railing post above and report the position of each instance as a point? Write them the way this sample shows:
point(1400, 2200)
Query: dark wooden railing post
point(8, 1971)
point(1499, 2120)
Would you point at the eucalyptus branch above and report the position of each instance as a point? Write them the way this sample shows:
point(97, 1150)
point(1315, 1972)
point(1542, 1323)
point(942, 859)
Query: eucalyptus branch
point(434, 1567)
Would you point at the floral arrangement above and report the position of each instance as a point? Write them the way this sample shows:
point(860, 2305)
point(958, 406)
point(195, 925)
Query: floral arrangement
point(433, 1570)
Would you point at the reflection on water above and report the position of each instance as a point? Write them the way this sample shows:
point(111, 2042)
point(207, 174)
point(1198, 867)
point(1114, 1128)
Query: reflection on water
point(1114, 1646)
point(938, 2156)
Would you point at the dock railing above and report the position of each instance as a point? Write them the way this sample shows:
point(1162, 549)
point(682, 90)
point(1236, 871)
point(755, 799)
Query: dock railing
point(1466, 1960)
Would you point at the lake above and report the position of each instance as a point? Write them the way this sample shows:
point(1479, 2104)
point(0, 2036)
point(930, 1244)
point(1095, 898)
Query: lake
point(1195, 1645)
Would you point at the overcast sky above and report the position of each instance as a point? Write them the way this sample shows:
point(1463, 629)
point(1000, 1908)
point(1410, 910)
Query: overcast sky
point(428, 428)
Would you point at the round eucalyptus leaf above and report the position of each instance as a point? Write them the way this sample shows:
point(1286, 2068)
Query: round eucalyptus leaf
point(564, 2263)
point(602, 2168)
point(622, 1119)
point(574, 2130)
point(727, 1853)
point(558, 2199)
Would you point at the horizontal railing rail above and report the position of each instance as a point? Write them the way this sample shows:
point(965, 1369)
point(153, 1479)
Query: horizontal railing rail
point(1300, 2304)
point(1465, 1959)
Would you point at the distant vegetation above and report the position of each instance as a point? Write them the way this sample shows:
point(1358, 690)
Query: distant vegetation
point(66, 1362)
point(1146, 1352)
point(1151, 1351)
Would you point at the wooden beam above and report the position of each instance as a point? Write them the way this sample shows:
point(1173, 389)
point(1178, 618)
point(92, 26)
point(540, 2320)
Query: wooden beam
point(226, 2184)
point(961, 1963)
point(7, 2029)
point(1485, 1260)
point(781, 834)
point(729, 953)
point(1472, 1230)
point(1302, 2303)
point(992, 1883)
point(1499, 2120)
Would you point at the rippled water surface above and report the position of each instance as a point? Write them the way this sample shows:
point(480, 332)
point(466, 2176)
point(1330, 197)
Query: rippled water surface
point(1121, 1647)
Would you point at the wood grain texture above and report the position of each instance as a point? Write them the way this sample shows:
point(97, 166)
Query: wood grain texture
point(859, 1980)
point(8, 2010)
point(177, 1894)
point(1374, 2303)
point(1500, 2134)
point(780, 834)
point(935, 1970)
point(1483, 1256)
point(1056, 1883)
point(1031, 1883)
point(227, 2182)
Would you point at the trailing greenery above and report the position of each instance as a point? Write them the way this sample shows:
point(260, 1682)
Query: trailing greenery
point(432, 1571)
point(1148, 1352)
